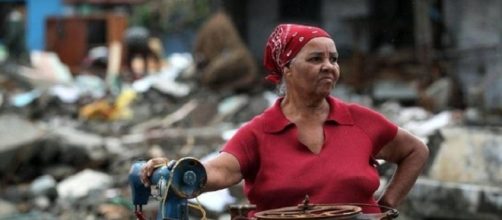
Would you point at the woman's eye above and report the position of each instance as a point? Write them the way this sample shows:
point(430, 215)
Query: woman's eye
point(333, 59)
point(316, 59)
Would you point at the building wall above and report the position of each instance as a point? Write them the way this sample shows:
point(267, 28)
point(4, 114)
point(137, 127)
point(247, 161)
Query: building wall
point(37, 11)
point(346, 22)
point(263, 17)
point(476, 23)
point(475, 27)
point(336, 19)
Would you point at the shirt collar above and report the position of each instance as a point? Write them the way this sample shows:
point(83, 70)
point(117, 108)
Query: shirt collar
point(276, 121)
point(339, 112)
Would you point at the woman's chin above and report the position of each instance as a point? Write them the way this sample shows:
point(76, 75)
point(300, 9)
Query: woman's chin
point(324, 93)
point(325, 90)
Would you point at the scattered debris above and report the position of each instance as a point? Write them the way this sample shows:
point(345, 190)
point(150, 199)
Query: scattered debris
point(68, 139)
point(80, 184)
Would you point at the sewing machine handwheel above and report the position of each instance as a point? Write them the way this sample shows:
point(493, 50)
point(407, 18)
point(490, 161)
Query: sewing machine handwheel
point(189, 177)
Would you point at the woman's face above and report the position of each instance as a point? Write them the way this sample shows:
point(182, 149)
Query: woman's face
point(314, 70)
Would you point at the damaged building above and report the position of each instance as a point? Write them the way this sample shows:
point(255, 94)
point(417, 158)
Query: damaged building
point(74, 108)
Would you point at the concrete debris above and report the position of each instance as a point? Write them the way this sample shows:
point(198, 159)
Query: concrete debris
point(69, 134)
point(428, 126)
point(165, 80)
point(74, 163)
point(168, 120)
point(471, 201)
point(67, 141)
point(439, 92)
point(25, 98)
point(44, 186)
point(80, 184)
point(230, 106)
point(168, 86)
point(65, 93)
point(394, 90)
point(90, 144)
point(41, 202)
point(7, 209)
point(33, 215)
point(348, 93)
point(401, 115)
point(61, 151)
point(477, 154)
point(90, 85)
point(47, 69)
point(17, 135)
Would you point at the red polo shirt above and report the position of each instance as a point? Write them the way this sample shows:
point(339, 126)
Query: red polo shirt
point(279, 170)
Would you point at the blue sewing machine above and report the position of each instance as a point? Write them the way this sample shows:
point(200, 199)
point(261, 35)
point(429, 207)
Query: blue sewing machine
point(173, 183)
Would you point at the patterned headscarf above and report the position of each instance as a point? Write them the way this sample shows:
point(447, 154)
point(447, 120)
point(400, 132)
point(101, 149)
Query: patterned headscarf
point(284, 43)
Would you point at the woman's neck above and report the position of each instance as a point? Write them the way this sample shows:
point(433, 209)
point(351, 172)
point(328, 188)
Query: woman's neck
point(295, 107)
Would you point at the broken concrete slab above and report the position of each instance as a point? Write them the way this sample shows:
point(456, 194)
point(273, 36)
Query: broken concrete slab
point(43, 186)
point(80, 184)
point(18, 135)
point(92, 144)
point(433, 199)
point(469, 155)
point(7, 208)
point(424, 128)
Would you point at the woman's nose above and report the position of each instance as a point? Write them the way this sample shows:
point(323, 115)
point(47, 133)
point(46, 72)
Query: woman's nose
point(327, 65)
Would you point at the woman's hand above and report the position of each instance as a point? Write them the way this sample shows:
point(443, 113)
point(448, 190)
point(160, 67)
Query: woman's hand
point(222, 171)
point(410, 154)
point(149, 167)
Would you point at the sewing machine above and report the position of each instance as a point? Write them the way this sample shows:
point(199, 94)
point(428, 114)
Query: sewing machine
point(173, 183)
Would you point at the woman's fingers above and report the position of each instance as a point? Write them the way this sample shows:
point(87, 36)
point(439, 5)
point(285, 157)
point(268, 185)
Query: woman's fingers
point(148, 168)
point(146, 172)
point(144, 175)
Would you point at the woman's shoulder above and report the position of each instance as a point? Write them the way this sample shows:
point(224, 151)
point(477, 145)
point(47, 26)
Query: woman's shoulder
point(372, 122)
point(359, 112)
point(357, 108)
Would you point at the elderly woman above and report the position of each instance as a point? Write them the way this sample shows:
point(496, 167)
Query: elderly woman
point(310, 143)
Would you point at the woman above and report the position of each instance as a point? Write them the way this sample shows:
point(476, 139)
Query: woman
point(308, 142)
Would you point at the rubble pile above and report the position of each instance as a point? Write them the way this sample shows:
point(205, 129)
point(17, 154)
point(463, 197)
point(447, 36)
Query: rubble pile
point(68, 142)
point(67, 145)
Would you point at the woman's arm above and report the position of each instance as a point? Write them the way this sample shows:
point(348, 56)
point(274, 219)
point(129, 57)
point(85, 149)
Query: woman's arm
point(222, 171)
point(410, 154)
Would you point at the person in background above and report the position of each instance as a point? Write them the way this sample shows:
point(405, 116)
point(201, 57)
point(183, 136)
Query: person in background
point(14, 36)
point(309, 142)
point(143, 52)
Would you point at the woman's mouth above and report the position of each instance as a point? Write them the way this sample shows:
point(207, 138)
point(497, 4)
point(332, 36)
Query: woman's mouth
point(327, 79)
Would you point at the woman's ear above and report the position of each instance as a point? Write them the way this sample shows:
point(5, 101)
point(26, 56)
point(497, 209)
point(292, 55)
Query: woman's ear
point(286, 70)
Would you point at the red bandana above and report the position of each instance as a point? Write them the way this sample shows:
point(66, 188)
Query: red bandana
point(284, 43)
